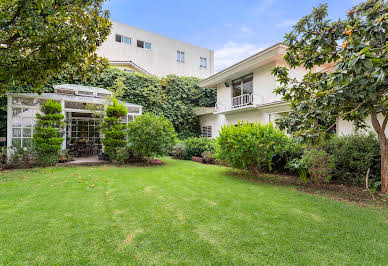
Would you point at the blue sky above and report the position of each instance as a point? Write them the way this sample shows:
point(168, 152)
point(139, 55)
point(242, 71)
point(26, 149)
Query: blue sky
point(233, 29)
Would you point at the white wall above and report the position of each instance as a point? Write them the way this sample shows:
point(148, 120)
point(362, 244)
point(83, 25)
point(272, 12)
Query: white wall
point(347, 127)
point(161, 59)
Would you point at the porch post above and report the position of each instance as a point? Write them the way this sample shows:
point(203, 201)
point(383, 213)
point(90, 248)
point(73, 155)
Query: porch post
point(9, 126)
point(64, 133)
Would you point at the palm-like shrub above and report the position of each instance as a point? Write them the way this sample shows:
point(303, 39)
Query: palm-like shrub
point(151, 135)
point(47, 139)
point(113, 129)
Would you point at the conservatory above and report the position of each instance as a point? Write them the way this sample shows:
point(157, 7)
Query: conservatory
point(83, 108)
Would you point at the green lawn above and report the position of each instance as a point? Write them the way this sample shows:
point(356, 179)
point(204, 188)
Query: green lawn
point(183, 212)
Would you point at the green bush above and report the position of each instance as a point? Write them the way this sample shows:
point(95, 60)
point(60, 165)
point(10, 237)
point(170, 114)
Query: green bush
point(47, 139)
point(151, 135)
point(252, 146)
point(353, 155)
point(178, 152)
point(125, 155)
point(320, 165)
point(196, 146)
point(113, 129)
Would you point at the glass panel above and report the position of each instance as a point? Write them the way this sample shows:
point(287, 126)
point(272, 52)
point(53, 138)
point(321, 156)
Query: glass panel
point(16, 132)
point(140, 44)
point(26, 122)
point(147, 45)
point(16, 142)
point(75, 105)
point(236, 89)
point(248, 85)
point(27, 132)
point(27, 142)
point(16, 122)
point(133, 109)
point(118, 38)
point(16, 100)
point(16, 112)
point(127, 40)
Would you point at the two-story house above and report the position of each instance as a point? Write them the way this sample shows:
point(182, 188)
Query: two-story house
point(245, 93)
point(137, 50)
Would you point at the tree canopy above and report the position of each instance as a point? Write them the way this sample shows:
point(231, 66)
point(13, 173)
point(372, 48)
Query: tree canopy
point(39, 38)
point(352, 84)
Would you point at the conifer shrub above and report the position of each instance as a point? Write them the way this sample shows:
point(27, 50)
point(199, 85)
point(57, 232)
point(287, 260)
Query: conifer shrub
point(47, 133)
point(114, 130)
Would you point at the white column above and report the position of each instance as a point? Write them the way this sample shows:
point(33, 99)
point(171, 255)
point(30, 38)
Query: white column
point(9, 125)
point(64, 133)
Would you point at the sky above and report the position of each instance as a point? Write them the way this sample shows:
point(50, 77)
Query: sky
point(233, 29)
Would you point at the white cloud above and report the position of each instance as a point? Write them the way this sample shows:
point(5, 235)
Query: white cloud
point(287, 23)
point(232, 53)
point(245, 29)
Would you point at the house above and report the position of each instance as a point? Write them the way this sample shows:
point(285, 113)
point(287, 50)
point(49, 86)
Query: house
point(245, 93)
point(82, 108)
point(137, 50)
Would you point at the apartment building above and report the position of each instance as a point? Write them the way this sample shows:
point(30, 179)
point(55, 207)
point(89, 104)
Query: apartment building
point(141, 51)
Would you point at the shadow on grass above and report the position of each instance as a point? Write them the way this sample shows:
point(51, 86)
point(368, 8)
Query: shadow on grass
point(337, 192)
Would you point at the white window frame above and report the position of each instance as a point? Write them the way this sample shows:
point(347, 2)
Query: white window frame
point(180, 56)
point(206, 131)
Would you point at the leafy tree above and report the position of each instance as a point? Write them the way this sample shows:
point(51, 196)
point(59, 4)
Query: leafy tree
point(357, 86)
point(113, 129)
point(38, 38)
point(151, 135)
point(47, 139)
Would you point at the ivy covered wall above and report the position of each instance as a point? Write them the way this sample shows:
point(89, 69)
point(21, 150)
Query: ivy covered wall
point(174, 97)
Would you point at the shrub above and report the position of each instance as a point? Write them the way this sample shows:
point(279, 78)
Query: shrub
point(178, 151)
point(251, 146)
point(299, 165)
point(22, 157)
point(113, 129)
point(208, 156)
point(353, 156)
point(46, 139)
point(125, 155)
point(151, 135)
point(320, 165)
point(197, 146)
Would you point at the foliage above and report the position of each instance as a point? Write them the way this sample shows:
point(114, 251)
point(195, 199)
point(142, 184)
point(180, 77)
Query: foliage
point(355, 89)
point(299, 165)
point(21, 157)
point(353, 156)
point(196, 146)
point(251, 146)
point(39, 38)
point(151, 135)
point(209, 156)
point(178, 152)
point(47, 139)
point(125, 155)
point(113, 129)
point(319, 163)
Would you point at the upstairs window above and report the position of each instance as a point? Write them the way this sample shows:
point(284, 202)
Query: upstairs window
point(180, 56)
point(140, 44)
point(147, 45)
point(203, 62)
point(123, 39)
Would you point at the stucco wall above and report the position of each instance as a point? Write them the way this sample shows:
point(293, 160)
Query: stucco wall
point(161, 59)
point(347, 128)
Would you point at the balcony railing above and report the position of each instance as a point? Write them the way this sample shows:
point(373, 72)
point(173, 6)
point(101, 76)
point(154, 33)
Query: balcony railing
point(242, 100)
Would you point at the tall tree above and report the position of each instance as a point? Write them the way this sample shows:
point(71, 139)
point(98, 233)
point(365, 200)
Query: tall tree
point(355, 89)
point(38, 38)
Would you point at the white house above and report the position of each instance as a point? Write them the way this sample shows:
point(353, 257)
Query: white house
point(141, 51)
point(245, 93)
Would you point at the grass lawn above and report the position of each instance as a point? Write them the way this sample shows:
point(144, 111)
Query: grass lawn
point(183, 212)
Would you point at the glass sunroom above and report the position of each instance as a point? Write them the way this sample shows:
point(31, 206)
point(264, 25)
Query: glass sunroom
point(83, 108)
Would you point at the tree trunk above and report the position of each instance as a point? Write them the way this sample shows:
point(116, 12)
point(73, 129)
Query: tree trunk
point(384, 168)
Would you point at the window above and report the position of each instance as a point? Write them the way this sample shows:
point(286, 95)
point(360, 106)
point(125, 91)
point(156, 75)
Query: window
point(127, 40)
point(206, 131)
point(123, 39)
point(203, 62)
point(180, 56)
point(23, 121)
point(140, 44)
point(147, 45)
point(242, 90)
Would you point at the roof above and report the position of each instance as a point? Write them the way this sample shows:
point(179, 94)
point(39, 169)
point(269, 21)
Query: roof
point(132, 64)
point(246, 66)
point(76, 87)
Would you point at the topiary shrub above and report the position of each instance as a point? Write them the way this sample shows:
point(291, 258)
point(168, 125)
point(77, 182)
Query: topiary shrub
point(47, 140)
point(113, 129)
point(151, 135)
point(353, 156)
point(197, 146)
point(251, 146)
